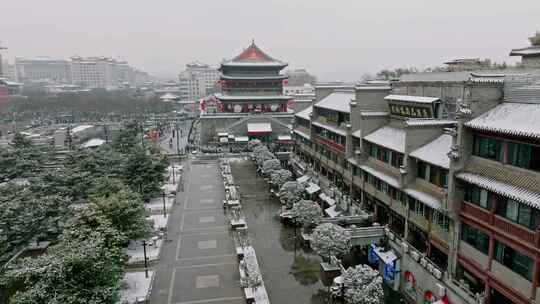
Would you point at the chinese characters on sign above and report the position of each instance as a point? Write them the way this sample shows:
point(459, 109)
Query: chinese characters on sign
point(411, 111)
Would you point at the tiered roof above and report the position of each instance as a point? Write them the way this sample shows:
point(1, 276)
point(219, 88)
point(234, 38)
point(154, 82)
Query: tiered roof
point(253, 56)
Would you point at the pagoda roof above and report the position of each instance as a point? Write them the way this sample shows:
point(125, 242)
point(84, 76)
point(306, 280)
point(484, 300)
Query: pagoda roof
point(253, 77)
point(255, 97)
point(528, 51)
point(253, 56)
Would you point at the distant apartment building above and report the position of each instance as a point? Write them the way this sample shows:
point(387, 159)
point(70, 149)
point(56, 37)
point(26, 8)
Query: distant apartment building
point(43, 69)
point(300, 77)
point(198, 80)
point(100, 72)
point(8, 70)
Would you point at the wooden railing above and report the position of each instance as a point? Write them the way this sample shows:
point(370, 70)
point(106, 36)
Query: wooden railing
point(334, 146)
point(475, 212)
point(514, 230)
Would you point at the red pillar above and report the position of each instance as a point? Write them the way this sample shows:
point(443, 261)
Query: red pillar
point(536, 274)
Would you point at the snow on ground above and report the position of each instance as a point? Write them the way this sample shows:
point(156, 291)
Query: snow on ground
point(137, 286)
point(135, 250)
point(159, 221)
point(155, 206)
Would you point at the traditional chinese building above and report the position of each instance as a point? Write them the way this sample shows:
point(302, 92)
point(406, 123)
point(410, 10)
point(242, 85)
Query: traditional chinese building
point(251, 103)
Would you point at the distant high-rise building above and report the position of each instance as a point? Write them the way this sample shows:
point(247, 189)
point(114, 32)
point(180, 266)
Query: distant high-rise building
point(100, 72)
point(8, 70)
point(299, 78)
point(197, 80)
point(42, 69)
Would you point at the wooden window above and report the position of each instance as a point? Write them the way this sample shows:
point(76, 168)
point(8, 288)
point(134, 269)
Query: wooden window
point(511, 258)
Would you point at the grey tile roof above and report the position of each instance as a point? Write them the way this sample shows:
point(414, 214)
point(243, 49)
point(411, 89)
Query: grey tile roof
point(388, 137)
point(415, 99)
point(518, 119)
point(435, 152)
point(305, 113)
point(523, 195)
point(337, 101)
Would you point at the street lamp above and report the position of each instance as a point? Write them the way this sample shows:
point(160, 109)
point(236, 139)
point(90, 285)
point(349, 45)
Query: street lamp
point(145, 259)
point(164, 205)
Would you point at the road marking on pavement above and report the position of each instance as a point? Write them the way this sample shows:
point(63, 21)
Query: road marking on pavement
point(205, 265)
point(206, 201)
point(177, 256)
point(210, 244)
point(211, 300)
point(207, 219)
point(207, 257)
point(208, 232)
point(171, 286)
point(207, 281)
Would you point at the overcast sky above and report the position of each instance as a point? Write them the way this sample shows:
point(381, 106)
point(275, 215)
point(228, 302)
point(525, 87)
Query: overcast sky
point(335, 40)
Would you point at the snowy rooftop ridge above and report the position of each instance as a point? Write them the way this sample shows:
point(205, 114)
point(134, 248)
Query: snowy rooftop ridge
point(337, 101)
point(435, 152)
point(388, 137)
point(415, 99)
point(517, 119)
point(305, 113)
point(523, 195)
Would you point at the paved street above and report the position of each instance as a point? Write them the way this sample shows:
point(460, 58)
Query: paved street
point(177, 144)
point(199, 264)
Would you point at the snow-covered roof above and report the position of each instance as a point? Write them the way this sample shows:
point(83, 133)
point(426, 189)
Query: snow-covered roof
point(374, 113)
point(392, 181)
point(416, 122)
point(424, 198)
point(372, 87)
point(169, 96)
point(415, 99)
point(312, 188)
point(518, 119)
point(523, 195)
point(304, 135)
point(337, 101)
point(435, 152)
point(255, 97)
point(305, 113)
point(330, 201)
point(531, 50)
point(253, 77)
point(241, 139)
point(94, 142)
point(330, 128)
point(436, 77)
point(81, 128)
point(332, 212)
point(222, 134)
point(284, 137)
point(388, 137)
point(303, 179)
point(254, 56)
point(357, 133)
point(259, 127)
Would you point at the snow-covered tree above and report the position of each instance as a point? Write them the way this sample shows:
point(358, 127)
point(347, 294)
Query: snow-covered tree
point(306, 212)
point(264, 156)
point(270, 166)
point(363, 285)
point(280, 177)
point(291, 192)
point(330, 239)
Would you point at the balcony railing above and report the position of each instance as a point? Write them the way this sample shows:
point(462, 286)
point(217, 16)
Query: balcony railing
point(475, 212)
point(513, 229)
point(333, 145)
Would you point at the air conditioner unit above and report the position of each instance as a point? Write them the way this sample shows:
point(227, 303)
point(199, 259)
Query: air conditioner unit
point(423, 262)
point(437, 273)
point(405, 247)
point(429, 267)
point(415, 256)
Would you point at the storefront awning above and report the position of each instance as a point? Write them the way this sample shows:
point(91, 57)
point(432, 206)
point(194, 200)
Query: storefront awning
point(302, 179)
point(255, 129)
point(331, 212)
